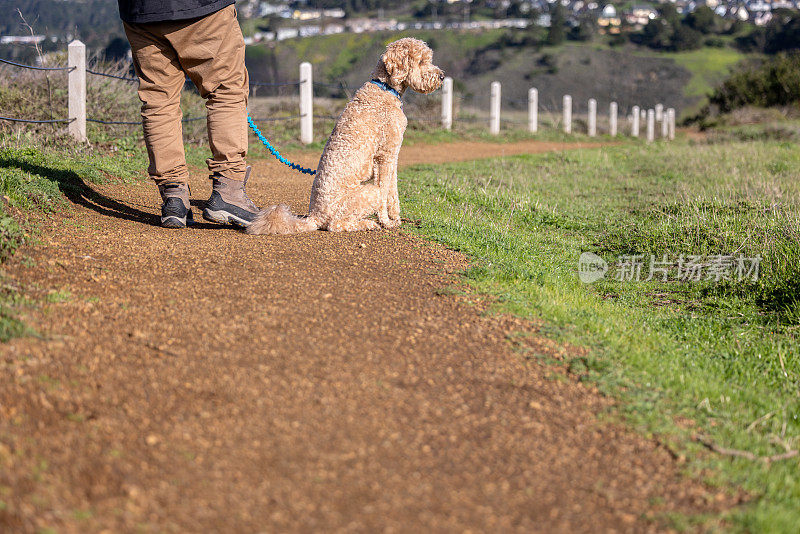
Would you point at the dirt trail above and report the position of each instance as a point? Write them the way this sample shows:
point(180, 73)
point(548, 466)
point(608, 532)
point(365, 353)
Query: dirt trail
point(205, 380)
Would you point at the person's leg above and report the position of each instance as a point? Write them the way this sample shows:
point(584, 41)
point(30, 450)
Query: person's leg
point(211, 51)
point(161, 79)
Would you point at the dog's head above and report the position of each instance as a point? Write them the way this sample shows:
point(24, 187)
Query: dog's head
point(408, 64)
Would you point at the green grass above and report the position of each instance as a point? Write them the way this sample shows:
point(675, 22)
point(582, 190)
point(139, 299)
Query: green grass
point(33, 180)
point(420, 133)
point(778, 130)
point(58, 296)
point(707, 65)
point(285, 139)
point(723, 356)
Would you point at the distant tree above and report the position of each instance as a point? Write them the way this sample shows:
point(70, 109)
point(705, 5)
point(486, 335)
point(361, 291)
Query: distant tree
point(669, 13)
point(617, 39)
point(670, 32)
point(704, 20)
point(755, 41)
point(116, 49)
point(783, 32)
point(271, 24)
point(737, 26)
point(558, 25)
point(685, 38)
point(585, 30)
point(428, 9)
point(518, 9)
point(775, 82)
point(715, 42)
point(657, 34)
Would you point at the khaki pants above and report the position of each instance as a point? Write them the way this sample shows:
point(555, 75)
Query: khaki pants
point(210, 50)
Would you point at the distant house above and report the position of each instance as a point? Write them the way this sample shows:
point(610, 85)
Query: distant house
point(21, 39)
point(609, 19)
point(758, 7)
point(310, 31)
point(306, 14)
point(640, 15)
point(286, 33)
point(332, 29)
point(762, 19)
point(336, 13)
point(314, 14)
point(741, 13)
point(267, 9)
point(760, 12)
point(543, 20)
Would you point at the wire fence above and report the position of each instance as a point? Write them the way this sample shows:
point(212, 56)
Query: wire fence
point(337, 86)
point(33, 67)
point(114, 76)
point(423, 113)
point(31, 121)
point(275, 84)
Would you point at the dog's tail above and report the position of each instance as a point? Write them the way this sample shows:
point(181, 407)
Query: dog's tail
point(280, 220)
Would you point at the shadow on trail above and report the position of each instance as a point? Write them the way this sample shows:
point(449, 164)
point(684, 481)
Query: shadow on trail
point(79, 192)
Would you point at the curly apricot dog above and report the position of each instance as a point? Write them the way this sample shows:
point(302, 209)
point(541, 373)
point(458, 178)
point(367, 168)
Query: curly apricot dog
point(357, 173)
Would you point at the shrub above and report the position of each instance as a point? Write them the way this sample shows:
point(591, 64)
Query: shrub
point(558, 21)
point(685, 38)
point(775, 82)
point(780, 35)
point(783, 33)
point(715, 42)
point(704, 20)
point(584, 31)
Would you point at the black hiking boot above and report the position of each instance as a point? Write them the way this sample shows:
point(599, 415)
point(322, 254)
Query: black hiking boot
point(176, 212)
point(229, 203)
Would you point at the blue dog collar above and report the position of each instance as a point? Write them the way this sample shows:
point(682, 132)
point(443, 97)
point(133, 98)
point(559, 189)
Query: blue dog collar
point(385, 87)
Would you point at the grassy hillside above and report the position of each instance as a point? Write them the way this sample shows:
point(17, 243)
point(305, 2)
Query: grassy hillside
point(708, 67)
point(714, 358)
point(351, 57)
point(628, 74)
point(35, 183)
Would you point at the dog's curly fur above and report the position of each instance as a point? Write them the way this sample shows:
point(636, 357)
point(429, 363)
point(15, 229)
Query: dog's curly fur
point(357, 173)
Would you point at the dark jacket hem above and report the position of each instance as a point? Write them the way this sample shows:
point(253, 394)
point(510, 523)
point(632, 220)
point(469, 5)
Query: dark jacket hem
point(173, 15)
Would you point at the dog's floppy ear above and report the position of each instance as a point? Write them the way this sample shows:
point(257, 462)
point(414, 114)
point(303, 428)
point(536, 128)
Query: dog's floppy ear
point(396, 61)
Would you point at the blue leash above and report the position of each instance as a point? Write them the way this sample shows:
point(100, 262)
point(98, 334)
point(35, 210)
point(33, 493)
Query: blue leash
point(295, 166)
point(274, 150)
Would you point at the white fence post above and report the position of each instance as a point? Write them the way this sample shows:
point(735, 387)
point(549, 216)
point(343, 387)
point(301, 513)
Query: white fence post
point(612, 119)
point(494, 111)
point(651, 125)
point(671, 121)
point(592, 130)
point(635, 121)
point(533, 110)
point(664, 125)
point(567, 114)
point(447, 103)
point(306, 103)
point(659, 112)
point(76, 105)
